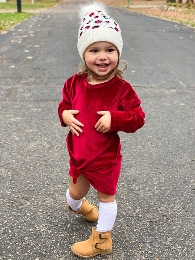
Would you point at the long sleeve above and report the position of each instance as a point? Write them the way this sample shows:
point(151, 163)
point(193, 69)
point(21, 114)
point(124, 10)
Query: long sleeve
point(65, 103)
point(130, 116)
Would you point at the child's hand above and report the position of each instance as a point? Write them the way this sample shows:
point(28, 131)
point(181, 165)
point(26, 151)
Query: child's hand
point(103, 124)
point(72, 122)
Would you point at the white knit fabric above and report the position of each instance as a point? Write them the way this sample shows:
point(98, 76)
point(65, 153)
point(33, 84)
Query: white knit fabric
point(74, 204)
point(107, 216)
point(97, 26)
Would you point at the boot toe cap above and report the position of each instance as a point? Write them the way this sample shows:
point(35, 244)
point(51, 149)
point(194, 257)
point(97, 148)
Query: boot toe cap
point(81, 250)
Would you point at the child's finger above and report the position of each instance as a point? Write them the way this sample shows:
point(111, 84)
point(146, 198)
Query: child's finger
point(73, 130)
point(97, 124)
point(77, 122)
point(76, 127)
point(100, 128)
point(74, 112)
point(102, 112)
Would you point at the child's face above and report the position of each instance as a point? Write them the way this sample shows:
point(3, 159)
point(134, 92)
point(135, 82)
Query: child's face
point(101, 58)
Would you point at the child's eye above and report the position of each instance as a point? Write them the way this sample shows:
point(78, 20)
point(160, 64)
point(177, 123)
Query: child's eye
point(110, 50)
point(94, 50)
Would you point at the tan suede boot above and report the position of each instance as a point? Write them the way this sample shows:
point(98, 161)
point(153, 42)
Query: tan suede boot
point(87, 210)
point(99, 243)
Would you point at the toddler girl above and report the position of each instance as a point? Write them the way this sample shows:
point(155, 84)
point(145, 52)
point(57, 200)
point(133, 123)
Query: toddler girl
point(97, 103)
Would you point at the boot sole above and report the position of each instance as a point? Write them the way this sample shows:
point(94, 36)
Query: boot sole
point(107, 252)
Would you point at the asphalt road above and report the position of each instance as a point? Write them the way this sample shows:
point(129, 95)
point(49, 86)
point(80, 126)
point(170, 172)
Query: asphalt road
point(156, 193)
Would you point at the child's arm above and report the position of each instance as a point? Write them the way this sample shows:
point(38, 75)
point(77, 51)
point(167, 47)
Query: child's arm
point(65, 112)
point(65, 103)
point(130, 116)
point(128, 119)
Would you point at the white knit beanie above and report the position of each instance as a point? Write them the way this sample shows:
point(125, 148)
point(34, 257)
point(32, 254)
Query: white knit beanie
point(97, 25)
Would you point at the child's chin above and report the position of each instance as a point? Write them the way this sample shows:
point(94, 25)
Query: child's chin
point(102, 72)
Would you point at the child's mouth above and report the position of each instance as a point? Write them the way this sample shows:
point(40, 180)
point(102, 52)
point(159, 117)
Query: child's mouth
point(102, 65)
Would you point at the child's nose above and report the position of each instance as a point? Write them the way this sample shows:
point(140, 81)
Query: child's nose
point(102, 55)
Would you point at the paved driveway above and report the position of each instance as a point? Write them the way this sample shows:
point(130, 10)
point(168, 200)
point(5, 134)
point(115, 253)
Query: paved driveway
point(156, 192)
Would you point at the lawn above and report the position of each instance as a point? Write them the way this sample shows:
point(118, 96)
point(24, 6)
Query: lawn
point(27, 4)
point(9, 16)
point(8, 20)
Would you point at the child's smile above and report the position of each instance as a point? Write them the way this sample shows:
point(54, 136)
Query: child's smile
point(102, 66)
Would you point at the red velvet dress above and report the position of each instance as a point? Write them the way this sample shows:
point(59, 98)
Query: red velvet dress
point(95, 155)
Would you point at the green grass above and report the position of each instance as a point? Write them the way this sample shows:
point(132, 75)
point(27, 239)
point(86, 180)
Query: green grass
point(190, 23)
point(8, 20)
point(27, 4)
point(10, 17)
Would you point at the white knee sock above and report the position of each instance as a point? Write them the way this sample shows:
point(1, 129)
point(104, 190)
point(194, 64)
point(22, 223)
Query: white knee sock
point(74, 204)
point(107, 216)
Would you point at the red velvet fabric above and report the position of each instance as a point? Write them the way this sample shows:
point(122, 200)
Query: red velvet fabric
point(94, 154)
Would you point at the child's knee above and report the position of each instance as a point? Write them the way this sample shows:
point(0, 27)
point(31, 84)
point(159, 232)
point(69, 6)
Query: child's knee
point(105, 197)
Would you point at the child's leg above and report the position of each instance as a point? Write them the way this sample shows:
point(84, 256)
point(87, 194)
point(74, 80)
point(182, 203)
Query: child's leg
point(100, 241)
point(76, 201)
point(80, 189)
point(107, 212)
point(74, 204)
point(76, 192)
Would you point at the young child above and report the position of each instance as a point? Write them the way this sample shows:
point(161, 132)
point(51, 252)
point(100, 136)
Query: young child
point(96, 104)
